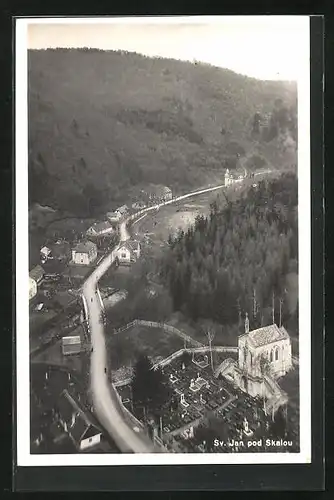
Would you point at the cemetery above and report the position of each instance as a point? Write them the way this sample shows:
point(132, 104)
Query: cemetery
point(203, 404)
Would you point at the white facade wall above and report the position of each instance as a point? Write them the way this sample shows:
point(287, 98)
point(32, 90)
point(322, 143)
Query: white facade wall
point(89, 442)
point(80, 257)
point(124, 255)
point(137, 251)
point(32, 288)
point(106, 231)
point(277, 354)
point(84, 258)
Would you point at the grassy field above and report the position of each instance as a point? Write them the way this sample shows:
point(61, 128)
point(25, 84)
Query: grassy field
point(123, 348)
point(37, 318)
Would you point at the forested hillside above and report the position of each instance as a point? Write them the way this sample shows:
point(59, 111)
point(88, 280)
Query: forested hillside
point(103, 122)
point(243, 258)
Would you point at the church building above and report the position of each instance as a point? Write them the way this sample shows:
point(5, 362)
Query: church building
point(265, 349)
point(264, 355)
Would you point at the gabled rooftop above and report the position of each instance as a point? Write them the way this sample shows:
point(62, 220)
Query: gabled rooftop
point(37, 273)
point(99, 227)
point(123, 209)
point(81, 425)
point(131, 245)
point(112, 215)
point(159, 190)
point(85, 247)
point(266, 335)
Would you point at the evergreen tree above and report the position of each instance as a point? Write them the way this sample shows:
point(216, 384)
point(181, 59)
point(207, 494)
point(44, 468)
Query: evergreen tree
point(251, 244)
point(150, 389)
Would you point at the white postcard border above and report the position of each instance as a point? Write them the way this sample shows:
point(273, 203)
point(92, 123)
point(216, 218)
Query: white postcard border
point(24, 457)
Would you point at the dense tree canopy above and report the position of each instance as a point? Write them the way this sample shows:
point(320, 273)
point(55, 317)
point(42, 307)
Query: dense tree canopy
point(237, 260)
point(150, 389)
point(96, 132)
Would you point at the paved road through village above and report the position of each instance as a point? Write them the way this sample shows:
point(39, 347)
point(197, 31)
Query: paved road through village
point(122, 427)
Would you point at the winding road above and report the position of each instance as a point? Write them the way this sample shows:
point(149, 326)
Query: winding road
point(118, 422)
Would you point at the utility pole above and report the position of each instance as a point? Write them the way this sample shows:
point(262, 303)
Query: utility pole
point(160, 421)
point(210, 338)
point(280, 312)
point(239, 311)
point(273, 308)
point(254, 304)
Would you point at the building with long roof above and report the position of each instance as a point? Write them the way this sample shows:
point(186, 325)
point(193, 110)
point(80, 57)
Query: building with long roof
point(84, 253)
point(78, 423)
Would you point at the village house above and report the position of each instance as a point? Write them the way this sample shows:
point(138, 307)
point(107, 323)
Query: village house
point(37, 274)
point(122, 211)
point(100, 229)
point(32, 288)
point(127, 252)
point(113, 217)
point(60, 251)
point(138, 205)
point(159, 193)
point(71, 345)
point(230, 178)
point(84, 253)
point(78, 423)
point(45, 254)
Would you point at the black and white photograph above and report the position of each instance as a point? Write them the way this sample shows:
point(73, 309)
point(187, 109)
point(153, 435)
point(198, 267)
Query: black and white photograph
point(163, 240)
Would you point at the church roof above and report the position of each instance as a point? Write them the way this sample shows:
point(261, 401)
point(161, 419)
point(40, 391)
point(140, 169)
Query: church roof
point(267, 335)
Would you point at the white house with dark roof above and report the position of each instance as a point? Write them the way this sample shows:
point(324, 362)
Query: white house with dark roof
point(230, 178)
point(158, 193)
point(122, 211)
point(127, 252)
point(100, 229)
point(84, 253)
point(45, 253)
point(113, 217)
point(77, 423)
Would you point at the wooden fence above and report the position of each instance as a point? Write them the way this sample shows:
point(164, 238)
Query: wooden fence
point(167, 328)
